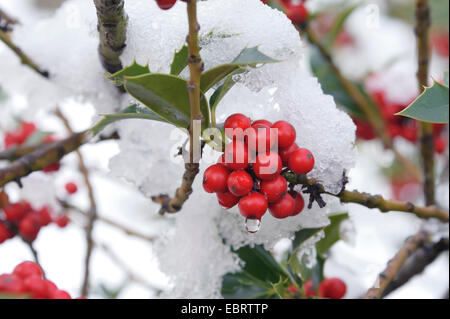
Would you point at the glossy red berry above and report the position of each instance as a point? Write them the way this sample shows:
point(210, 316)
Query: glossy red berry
point(286, 133)
point(332, 288)
point(30, 226)
point(240, 183)
point(11, 284)
point(227, 200)
point(71, 188)
point(260, 138)
point(275, 189)
point(299, 203)
point(36, 286)
point(308, 287)
point(5, 233)
point(236, 155)
point(262, 122)
point(27, 269)
point(165, 4)
point(215, 179)
point(60, 294)
point(62, 221)
point(235, 125)
point(285, 153)
point(253, 206)
point(267, 166)
point(283, 208)
point(301, 161)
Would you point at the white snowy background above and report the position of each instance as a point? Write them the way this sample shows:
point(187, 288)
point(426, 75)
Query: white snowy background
point(189, 258)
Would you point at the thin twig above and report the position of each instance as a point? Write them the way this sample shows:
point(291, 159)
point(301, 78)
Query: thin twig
point(426, 129)
point(394, 265)
point(4, 37)
point(35, 254)
point(92, 215)
point(368, 200)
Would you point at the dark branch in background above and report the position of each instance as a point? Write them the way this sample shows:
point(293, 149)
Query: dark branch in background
point(6, 22)
point(5, 38)
point(44, 155)
point(426, 129)
point(315, 189)
point(417, 263)
point(112, 28)
point(410, 246)
point(35, 254)
point(92, 214)
point(361, 101)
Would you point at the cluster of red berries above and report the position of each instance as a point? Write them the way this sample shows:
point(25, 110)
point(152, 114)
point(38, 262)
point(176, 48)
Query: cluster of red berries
point(249, 171)
point(27, 280)
point(331, 288)
point(167, 4)
point(22, 219)
point(295, 10)
point(398, 126)
point(21, 135)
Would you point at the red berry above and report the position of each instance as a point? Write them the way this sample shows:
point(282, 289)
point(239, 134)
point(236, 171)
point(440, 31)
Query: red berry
point(5, 233)
point(299, 203)
point(301, 161)
point(253, 206)
point(215, 179)
point(262, 122)
point(71, 188)
point(333, 288)
point(60, 294)
point(260, 138)
point(36, 286)
point(10, 140)
point(54, 167)
point(236, 155)
point(240, 183)
point(236, 124)
point(292, 289)
point(15, 212)
point(227, 200)
point(275, 189)
point(62, 221)
point(51, 287)
point(30, 226)
point(297, 13)
point(267, 166)
point(309, 289)
point(283, 208)
point(44, 216)
point(440, 144)
point(286, 133)
point(11, 284)
point(27, 269)
point(285, 153)
point(165, 4)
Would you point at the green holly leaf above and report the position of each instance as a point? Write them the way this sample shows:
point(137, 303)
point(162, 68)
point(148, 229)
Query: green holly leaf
point(179, 61)
point(339, 24)
point(167, 96)
point(239, 286)
point(248, 57)
point(133, 70)
point(132, 112)
point(332, 233)
point(299, 239)
point(431, 106)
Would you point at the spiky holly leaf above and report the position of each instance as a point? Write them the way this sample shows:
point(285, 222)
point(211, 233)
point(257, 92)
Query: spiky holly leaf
point(133, 70)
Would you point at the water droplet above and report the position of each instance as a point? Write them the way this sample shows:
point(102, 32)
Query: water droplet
point(252, 225)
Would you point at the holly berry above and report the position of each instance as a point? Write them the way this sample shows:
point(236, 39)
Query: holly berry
point(50, 168)
point(286, 133)
point(71, 188)
point(262, 122)
point(30, 226)
point(11, 284)
point(36, 286)
point(165, 4)
point(236, 155)
point(15, 212)
point(283, 208)
point(260, 139)
point(60, 294)
point(267, 166)
point(285, 153)
point(27, 269)
point(253, 206)
point(5, 233)
point(62, 221)
point(299, 203)
point(332, 288)
point(44, 216)
point(308, 287)
point(275, 189)
point(440, 144)
point(240, 183)
point(215, 179)
point(237, 121)
point(301, 161)
point(297, 13)
point(227, 200)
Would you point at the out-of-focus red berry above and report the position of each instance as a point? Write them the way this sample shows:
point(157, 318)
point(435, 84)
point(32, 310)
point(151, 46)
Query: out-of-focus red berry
point(27, 269)
point(332, 288)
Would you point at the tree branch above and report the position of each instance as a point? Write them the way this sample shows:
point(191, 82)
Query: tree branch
point(112, 27)
point(315, 189)
point(394, 265)
point(426, 129)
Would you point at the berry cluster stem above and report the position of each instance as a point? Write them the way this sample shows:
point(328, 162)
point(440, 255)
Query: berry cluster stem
point(26, 60)
point(373, 201)
point(411, 245)
point(426, 129)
